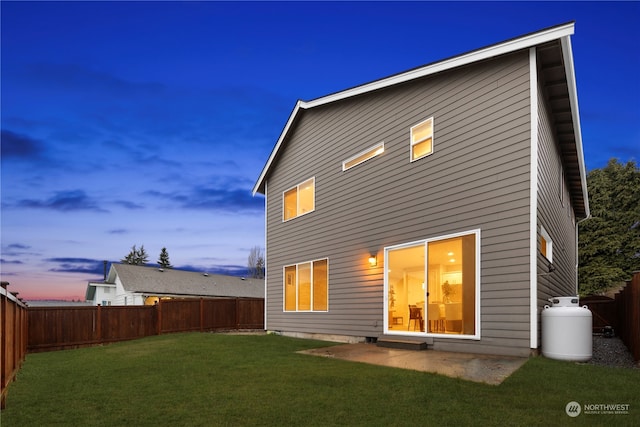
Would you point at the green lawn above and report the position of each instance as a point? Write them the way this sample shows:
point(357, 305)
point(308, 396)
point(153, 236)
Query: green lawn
point(214, 379)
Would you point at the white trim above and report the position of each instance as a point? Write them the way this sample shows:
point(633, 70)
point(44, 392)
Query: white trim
point(509, 46)
point(425, 242)
point(533, 201)
point(549, 244)
point(266, 303)
point(12, 297)
point(276, 149)
point(375, 151)
point(567, 54)
point(297, 187)
point(412, 142)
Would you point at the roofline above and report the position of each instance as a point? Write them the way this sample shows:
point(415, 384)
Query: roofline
point(176, 295)
point(567, 53)
point(523, 42)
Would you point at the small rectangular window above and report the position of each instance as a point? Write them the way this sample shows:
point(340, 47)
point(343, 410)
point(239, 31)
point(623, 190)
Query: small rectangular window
point(363, 156)
point(306, 286)
point(546, 244)
point(299, 200)
point(422, 139)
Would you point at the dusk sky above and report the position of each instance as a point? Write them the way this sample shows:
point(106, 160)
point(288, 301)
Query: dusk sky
point(148, 123)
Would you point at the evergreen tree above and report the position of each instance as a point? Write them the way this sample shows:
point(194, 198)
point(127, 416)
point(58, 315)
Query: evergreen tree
point(609, 242)
point(142, 256)
point(163, 261)
point(130, 257)
point(136, 256)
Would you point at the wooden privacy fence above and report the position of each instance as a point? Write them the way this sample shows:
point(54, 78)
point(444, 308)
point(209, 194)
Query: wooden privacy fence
point(56, 328)
point(622, 313)
point(603, 310)
point(628, 311)
point(13, 337)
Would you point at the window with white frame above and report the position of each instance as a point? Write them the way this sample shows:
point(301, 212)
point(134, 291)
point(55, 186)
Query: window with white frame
point(422, 139)
point(363, 156)
point(306, 286)
point(433, 286)
point(546, 244)
point(299, 200)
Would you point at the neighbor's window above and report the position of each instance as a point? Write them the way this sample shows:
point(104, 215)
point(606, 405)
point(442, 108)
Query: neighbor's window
point(306, 286)
point(299, 200)
point(363, 157)
point(546, 244)
point(422, 139)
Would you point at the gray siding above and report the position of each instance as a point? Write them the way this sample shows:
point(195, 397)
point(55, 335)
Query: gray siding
point(555, 213)
point(477, 177)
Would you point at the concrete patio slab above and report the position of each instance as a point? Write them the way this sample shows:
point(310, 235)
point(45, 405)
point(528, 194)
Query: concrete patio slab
point(472, 367)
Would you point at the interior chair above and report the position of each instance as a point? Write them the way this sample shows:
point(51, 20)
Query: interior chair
point(415, 314)
point(453, 314)
point(434, 318)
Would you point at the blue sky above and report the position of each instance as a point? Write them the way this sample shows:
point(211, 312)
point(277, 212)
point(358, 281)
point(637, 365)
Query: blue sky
point(148, 123)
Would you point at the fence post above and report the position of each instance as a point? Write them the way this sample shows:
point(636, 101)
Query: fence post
point(201, 314)
point(237, 313)
point(98, 330)
point(634, 318)
point(3, 344)
point(159, 316)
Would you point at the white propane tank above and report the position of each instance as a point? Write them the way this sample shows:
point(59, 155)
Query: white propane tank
point(567, 330)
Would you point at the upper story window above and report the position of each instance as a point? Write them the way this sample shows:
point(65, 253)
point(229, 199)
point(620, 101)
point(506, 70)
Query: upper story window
point(546, 244)
point(299, 200)
point(363, 156)
point(422, 139)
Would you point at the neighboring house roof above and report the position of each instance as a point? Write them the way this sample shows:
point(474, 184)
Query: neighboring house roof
point(557, 74)
point(172, 282)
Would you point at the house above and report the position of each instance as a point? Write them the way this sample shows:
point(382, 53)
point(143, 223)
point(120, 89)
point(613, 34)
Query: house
point(138, 285)
point(440, 204)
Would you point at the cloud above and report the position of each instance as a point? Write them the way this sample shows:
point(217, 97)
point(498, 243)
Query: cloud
point(77, 265)
point(129, 205)
point(17, 250)
point(4, 261)
point(82, 80)
point(118, 231)
point(15, 145)
point(64, 201)
point(214, 199)
point(18, 246)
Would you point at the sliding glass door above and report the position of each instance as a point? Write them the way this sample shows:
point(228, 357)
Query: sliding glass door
point(431, 286)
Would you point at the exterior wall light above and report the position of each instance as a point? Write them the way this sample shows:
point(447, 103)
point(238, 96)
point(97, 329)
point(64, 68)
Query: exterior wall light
point(373, 261)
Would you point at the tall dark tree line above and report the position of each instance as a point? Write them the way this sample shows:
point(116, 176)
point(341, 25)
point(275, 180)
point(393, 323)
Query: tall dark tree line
point(609, 242)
